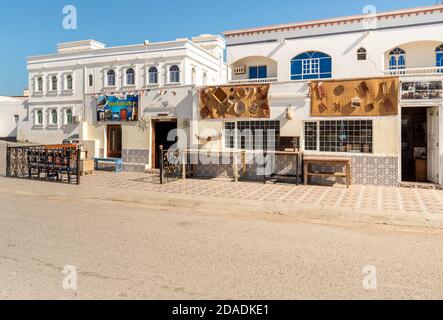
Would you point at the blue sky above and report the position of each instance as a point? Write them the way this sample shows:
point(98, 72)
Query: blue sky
point(30, 28)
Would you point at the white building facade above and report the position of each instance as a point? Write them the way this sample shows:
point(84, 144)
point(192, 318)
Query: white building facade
point(12, 111)
point(157, 79)
point(292, 58)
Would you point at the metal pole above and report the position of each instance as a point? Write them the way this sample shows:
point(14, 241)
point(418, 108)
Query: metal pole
point(8, 161)
point(78, 164)
point(161, 164)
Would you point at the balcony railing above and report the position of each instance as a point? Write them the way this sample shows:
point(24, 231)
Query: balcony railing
point(254, 81)
point(415, 72)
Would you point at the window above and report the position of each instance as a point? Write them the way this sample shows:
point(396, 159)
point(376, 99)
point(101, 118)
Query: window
point(439, 56)
point(69, 85)
point(68, 117)
point(205, 78)
point(311, 136)
point(361, 54)
point(174, 74)
point(38, 117)
point(252, 135)
point(353, 136)
point(153, 75)
point(311, 65)
point(16, 118)
point(39, 87)
point(397, 59)
point(53, 117)
point(110, 78)
point(258, 72)
point(54, 83)
point(130, 77)
point(91, 80)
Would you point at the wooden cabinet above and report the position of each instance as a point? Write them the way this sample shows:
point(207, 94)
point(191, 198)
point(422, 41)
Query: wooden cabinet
point(421, 170)
point(86, 166)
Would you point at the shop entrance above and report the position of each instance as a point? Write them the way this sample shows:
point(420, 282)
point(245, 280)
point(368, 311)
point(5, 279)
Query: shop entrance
point(160, 131)
point(114, 137)
point(420, 144)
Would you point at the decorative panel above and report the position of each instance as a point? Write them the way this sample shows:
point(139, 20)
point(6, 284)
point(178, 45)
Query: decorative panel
point(362, 97)
point(229, 102)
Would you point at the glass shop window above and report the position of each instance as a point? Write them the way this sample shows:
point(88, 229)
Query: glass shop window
point(252, 135)
point(348, 136)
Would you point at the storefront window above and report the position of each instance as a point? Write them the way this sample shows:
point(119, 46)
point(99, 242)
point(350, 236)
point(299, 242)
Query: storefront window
point(353, 136)
point(252, 135)
point(311, 136)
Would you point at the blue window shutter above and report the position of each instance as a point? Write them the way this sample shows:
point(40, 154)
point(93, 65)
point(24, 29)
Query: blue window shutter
point(326, 68)
point(253, 74)
point(440, 59)
point(296, 69)
point(263, 72)
point(393, 62)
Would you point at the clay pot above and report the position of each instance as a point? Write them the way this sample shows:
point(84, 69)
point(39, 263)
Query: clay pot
point(239, 108)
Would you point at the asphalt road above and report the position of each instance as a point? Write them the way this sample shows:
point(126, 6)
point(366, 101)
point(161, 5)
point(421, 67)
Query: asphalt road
point(126, 250)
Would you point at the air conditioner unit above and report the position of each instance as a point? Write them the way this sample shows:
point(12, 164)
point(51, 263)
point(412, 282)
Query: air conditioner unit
point(239, 69)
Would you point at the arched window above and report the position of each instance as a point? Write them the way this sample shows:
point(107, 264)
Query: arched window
point(68, 116)
point(39, 117)
point(361, 54)
point(110, 78)
point(91, 80)
point(311, 65)
point(130, 77)
point(174, 74)
point(439, 57)
point(397, 59)
point(69, 82)
point(153, 75)
point(54, 116)
point(39, 84)
point(205, 78)
point(54, 83)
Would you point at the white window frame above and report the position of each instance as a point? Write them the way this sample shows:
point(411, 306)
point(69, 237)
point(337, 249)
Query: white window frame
point(37, 89)
point(127, 84)
point(51, 83)
point(36, 122)
point(169, 73)
point(65, 117)
point(148, 75)
point(318, 121)
point(51, 120)
point(106, 80)
point(65, 82)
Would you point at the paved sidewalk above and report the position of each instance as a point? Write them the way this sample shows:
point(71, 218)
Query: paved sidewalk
point(415, 207)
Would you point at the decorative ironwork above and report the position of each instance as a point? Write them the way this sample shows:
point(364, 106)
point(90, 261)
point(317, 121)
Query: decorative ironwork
point(174, 164)
point(53, 163)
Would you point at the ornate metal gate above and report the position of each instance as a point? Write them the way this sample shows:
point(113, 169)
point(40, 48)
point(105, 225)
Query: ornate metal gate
point(53, 163)
point(174, 164)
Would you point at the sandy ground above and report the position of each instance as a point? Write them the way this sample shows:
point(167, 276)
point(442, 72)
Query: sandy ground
point(165, 248)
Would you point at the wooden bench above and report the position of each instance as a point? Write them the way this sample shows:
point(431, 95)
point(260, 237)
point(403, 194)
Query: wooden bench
point(118, 163)
point(345, 162)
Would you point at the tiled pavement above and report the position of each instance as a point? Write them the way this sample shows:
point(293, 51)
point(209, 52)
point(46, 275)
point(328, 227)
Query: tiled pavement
point(391, 199)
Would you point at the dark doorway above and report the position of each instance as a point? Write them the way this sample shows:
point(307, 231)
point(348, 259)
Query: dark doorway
point(414, 144)
point(160, 131)
point(114, 136)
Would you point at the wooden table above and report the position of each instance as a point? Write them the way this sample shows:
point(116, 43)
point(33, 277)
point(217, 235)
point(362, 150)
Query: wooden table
point(298, 159)
point(345, 162)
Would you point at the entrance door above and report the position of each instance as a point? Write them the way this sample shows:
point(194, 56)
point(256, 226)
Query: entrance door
point(114, 136)
point(432, 133)
point(160, 131)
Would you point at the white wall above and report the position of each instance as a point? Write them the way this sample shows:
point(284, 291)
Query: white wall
point(9, 107)
point(419, 42)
